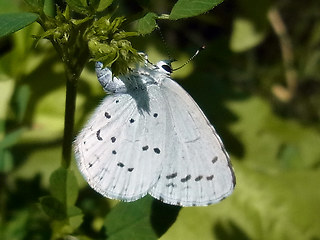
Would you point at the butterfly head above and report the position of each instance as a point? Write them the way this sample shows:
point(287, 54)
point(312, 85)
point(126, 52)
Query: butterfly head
point(164, 66)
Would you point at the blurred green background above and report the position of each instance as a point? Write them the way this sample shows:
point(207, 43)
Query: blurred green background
point(258, 82)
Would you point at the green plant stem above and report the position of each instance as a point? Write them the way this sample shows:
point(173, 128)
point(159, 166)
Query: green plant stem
point(70, 106)
point(73, 71)
point(74, 53)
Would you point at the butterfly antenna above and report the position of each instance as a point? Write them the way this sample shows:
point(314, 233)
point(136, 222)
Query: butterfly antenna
point(164, 41)
point(190, 59)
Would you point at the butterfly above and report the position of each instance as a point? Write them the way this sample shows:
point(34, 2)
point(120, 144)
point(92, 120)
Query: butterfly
point(148, 136)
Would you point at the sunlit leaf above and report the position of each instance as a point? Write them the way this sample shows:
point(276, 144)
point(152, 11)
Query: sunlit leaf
point(190, 8)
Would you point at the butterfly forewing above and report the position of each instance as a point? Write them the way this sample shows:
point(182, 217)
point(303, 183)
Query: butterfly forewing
point(118, 151)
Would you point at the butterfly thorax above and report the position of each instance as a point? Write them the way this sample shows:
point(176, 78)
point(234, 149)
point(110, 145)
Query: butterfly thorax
point(136, 80)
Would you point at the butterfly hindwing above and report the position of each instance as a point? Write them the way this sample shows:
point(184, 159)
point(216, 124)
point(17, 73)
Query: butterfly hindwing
point(196, 170)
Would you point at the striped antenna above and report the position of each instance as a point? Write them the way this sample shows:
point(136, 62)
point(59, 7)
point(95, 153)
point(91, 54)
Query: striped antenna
point(190, 59)
point(164, 42)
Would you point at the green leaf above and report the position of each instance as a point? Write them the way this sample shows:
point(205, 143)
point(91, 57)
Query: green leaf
point(49, 8)
point(75, 216)
point(12, 22)
point(53, 207)
point(103, 4)
point(190, 8)
point(36, 5)
point(9, 6)
point(245, 35)
point(64, 186)
point(12, 138)
point(16, 228)
point(145, 219)
point(79, 6)
point(147, 24)
point(20, 101)
point(131, 221)
point(6, 161)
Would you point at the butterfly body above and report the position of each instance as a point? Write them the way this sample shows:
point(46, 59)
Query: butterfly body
point(150, 137)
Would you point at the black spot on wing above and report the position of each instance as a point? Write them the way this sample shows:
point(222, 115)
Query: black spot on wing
point(198, 178)
point(156, 150)
point(131, 120)
point(209, 178)
point(171, 185)
point(113, 139)
point(114, 152)
point(155, 115)
point(98, 135)
point(120, 164)
point(187, 178)
point(173, 175)
point(214, 159)
point(117, 101)
point(130, 169)
point(107, 115)
point(145, 148)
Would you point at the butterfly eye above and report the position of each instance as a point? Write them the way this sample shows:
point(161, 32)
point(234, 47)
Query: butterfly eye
point(167, 68)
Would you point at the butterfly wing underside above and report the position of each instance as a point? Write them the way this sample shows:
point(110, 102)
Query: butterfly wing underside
point(153, 138)
point(117, 152)
point(196, 170)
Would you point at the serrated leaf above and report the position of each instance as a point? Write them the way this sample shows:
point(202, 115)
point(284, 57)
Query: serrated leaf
point(147, 24)
point(190, 8)
point(12, 22)
point(145, 219)
point(53, 207)
point(64, 186)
